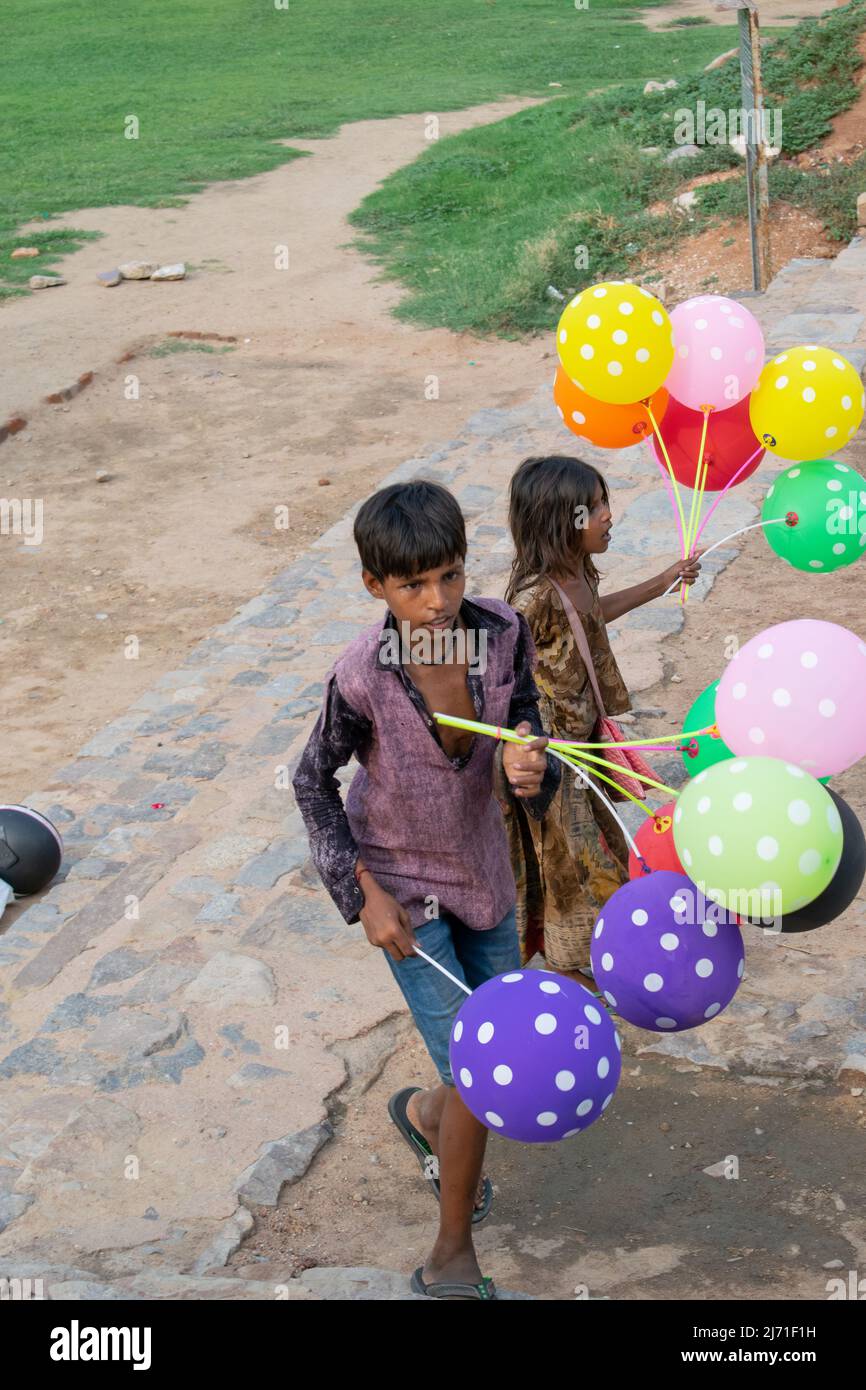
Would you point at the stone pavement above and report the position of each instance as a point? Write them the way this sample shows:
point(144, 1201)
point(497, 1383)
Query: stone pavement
point(184, 1013)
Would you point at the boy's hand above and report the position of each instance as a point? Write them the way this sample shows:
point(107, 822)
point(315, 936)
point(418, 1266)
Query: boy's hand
point(686, 570)
point(525, 763)
point(386, 923)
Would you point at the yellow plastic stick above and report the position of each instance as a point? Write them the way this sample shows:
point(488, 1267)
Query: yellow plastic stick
point(674, 484)
point(593, 771)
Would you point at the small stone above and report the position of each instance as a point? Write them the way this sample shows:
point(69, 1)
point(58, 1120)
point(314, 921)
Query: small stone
point(324, 482)
point(856, 1090)
point(688, 151)
point(170, 272)
point(108, 278)
point(653, 86)
point(45, 282)
point(675, 680)
point(651, 149)
point(861, 210)
point(833, 1264)
point(103, 476)
point(852, 1070)
point(21, 252)
point(218, 1132)
point(137, 270)
point(686, 200)
point(665, 1127)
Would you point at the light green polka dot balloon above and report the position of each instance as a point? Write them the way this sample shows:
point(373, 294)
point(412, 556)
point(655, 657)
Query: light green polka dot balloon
point(758, 835)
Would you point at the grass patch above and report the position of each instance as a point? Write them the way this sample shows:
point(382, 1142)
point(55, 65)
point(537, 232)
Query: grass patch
point(214, 86)
point(52, 244)
point(174, 345)
point(483, 222)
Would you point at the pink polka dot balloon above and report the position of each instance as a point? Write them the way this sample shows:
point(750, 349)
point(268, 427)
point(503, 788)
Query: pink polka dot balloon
point(535, 1056)
point(718, 352)
point(795, 692)
point(666, 957)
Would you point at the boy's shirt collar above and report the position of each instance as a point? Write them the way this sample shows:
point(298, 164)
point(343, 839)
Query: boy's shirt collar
point(472, 614)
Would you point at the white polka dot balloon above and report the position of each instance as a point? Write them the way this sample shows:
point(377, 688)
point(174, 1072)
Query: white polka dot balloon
point(614, 341)
point(665, 958)
point(535, 1056)
point(718, 352)
point(758, 835)
point(808, 402)
point(795, 691)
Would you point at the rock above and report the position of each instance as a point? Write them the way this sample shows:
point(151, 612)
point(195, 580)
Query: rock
point(108, 278)
point(170, 272)
point(22, 252)
point(738, 145)
point(717, 1170)
point(651, 149)
point(682, 152)
point(225, 1243)
point(131, 1034)
point(45, 282)
point(229, 852)
point(280, 1162)
point(12, 1205)
point(686, 200)
point(653, 86)
point(721, 60)
point(232, 978)
point(853, 1070)
point(103, 476)
point(833, 1264)
point(324, 482)
point(137, 270)
point(861, 210)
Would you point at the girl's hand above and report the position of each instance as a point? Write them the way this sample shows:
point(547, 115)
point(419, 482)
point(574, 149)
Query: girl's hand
point(525, 764)
point(686, 571)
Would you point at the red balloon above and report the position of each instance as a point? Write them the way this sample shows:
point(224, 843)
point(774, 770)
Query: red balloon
point(655, 842)
point(730, 442)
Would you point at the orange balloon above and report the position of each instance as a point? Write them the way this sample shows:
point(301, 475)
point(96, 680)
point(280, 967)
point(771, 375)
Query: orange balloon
point(610, 426)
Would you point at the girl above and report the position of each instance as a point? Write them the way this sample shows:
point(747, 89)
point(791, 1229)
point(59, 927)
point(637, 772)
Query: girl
point(569, 863)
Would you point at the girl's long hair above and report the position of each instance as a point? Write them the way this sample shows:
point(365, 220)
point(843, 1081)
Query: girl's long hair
point(544, 496)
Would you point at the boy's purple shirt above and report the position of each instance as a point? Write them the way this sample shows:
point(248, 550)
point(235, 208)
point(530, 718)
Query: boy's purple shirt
point(426, 825)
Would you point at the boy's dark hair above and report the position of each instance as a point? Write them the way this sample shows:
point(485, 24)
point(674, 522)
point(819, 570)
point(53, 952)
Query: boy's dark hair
point(408, 528)
point(544, 495)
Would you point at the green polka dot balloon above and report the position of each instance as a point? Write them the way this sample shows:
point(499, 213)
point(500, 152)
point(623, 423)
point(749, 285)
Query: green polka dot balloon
point(818, 511)
point(758, 835)
point(703, 750)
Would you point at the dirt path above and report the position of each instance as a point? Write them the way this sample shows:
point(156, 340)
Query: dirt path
point(322, 383)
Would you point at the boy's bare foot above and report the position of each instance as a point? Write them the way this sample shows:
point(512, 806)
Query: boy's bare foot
point(426, 1121)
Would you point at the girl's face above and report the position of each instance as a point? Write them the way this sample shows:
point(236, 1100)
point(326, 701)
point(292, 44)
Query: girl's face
point(596, 532)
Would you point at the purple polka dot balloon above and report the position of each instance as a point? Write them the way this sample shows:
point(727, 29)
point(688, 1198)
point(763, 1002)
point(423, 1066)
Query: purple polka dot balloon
point(665, 957)
point(534, 1056)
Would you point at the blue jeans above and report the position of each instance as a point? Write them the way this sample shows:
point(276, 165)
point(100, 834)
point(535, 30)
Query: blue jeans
point(473, 956)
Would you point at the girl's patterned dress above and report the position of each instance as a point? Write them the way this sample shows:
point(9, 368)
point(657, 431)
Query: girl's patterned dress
point(568, 864)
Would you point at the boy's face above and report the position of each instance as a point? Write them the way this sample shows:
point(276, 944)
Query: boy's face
point(428, 601)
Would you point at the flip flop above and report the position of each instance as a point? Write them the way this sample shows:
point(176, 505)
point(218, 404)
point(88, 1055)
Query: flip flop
point(485, 1290)
point(425, 1155)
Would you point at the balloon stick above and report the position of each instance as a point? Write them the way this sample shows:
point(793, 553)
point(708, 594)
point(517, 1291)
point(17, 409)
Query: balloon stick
point(676, 490)
point(779, 521)
point(728, 484)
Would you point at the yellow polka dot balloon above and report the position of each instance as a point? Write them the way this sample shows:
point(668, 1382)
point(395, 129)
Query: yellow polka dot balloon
point(615, 341)
point(808, 403)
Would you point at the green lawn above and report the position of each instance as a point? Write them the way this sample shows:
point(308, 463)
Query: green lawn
point(484, 222)
point(213, 83)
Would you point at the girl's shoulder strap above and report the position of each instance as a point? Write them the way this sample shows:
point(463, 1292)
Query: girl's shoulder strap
point(581, 642)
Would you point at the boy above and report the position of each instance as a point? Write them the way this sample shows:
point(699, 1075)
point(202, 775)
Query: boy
point(420, 845)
